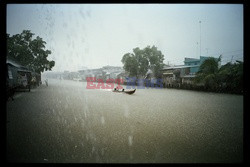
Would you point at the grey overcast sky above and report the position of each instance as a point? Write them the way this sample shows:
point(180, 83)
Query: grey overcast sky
point(95, 35)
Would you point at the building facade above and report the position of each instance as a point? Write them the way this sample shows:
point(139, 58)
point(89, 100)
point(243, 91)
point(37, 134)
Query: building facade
point(182, 74)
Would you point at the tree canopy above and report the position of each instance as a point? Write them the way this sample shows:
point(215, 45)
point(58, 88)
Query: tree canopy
point(228, 77)
point(207, 73)
point(141, 60)
point(29, 52)
point(231, 75)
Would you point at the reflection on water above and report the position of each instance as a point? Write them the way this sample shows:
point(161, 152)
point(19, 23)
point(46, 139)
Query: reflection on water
point(152, 125)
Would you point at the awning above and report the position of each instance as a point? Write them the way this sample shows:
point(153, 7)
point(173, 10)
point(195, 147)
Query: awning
point(13, 63)
point(21, 70)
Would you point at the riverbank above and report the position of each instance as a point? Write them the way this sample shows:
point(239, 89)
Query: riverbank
point(204, 89)
point(192, 87)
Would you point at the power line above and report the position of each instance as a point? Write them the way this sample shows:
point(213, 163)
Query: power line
point(225, 58)
point(229, 57)
point(231, 60)
point(235, 55)
point(240, 54)
point(225, 53)
point(233, 51)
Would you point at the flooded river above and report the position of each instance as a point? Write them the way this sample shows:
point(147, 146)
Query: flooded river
point(65, 122)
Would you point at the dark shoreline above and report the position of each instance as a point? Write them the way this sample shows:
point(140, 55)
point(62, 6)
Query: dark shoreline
point(189, 87)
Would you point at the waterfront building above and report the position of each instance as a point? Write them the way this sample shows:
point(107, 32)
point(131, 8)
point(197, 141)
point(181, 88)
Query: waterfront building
point(182, 74)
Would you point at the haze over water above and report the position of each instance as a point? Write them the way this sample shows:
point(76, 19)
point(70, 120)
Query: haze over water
point(73, 124)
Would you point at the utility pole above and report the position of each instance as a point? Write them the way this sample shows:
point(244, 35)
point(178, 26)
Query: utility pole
point(207, 51)
point(232, 59)
point(197, 48)
point(200, 37)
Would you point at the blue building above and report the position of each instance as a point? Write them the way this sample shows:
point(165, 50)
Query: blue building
point(182, 73)
point(194, 63)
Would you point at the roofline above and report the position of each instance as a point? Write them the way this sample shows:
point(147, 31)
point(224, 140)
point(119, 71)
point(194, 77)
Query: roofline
point(23, 70)
point(195, 59)
point(176, 67)
point(13, 63)
point(191, 60)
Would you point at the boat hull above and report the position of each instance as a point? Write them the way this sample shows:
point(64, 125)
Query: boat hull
point(130, 92)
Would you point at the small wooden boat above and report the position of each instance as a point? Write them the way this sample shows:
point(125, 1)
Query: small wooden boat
point(130, 92)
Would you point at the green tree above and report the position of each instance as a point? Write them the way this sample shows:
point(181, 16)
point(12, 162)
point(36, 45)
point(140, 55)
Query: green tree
point(228, 77)
point(29, 52)
point(138, 62)
point(208, 72)
point(231, 76)
point(155, 58)
point(210, 66)
point(130, 64)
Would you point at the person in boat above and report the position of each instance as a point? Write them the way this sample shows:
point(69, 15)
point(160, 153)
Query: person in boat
point(116, 89)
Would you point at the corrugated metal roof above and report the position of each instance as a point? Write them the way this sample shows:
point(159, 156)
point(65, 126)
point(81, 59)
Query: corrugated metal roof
point(178, 67)
point(18, 65)
point(13, 63)
point(23, 70)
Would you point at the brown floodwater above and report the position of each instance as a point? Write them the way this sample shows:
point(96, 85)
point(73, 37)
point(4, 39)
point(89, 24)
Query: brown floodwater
point(65, 122)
